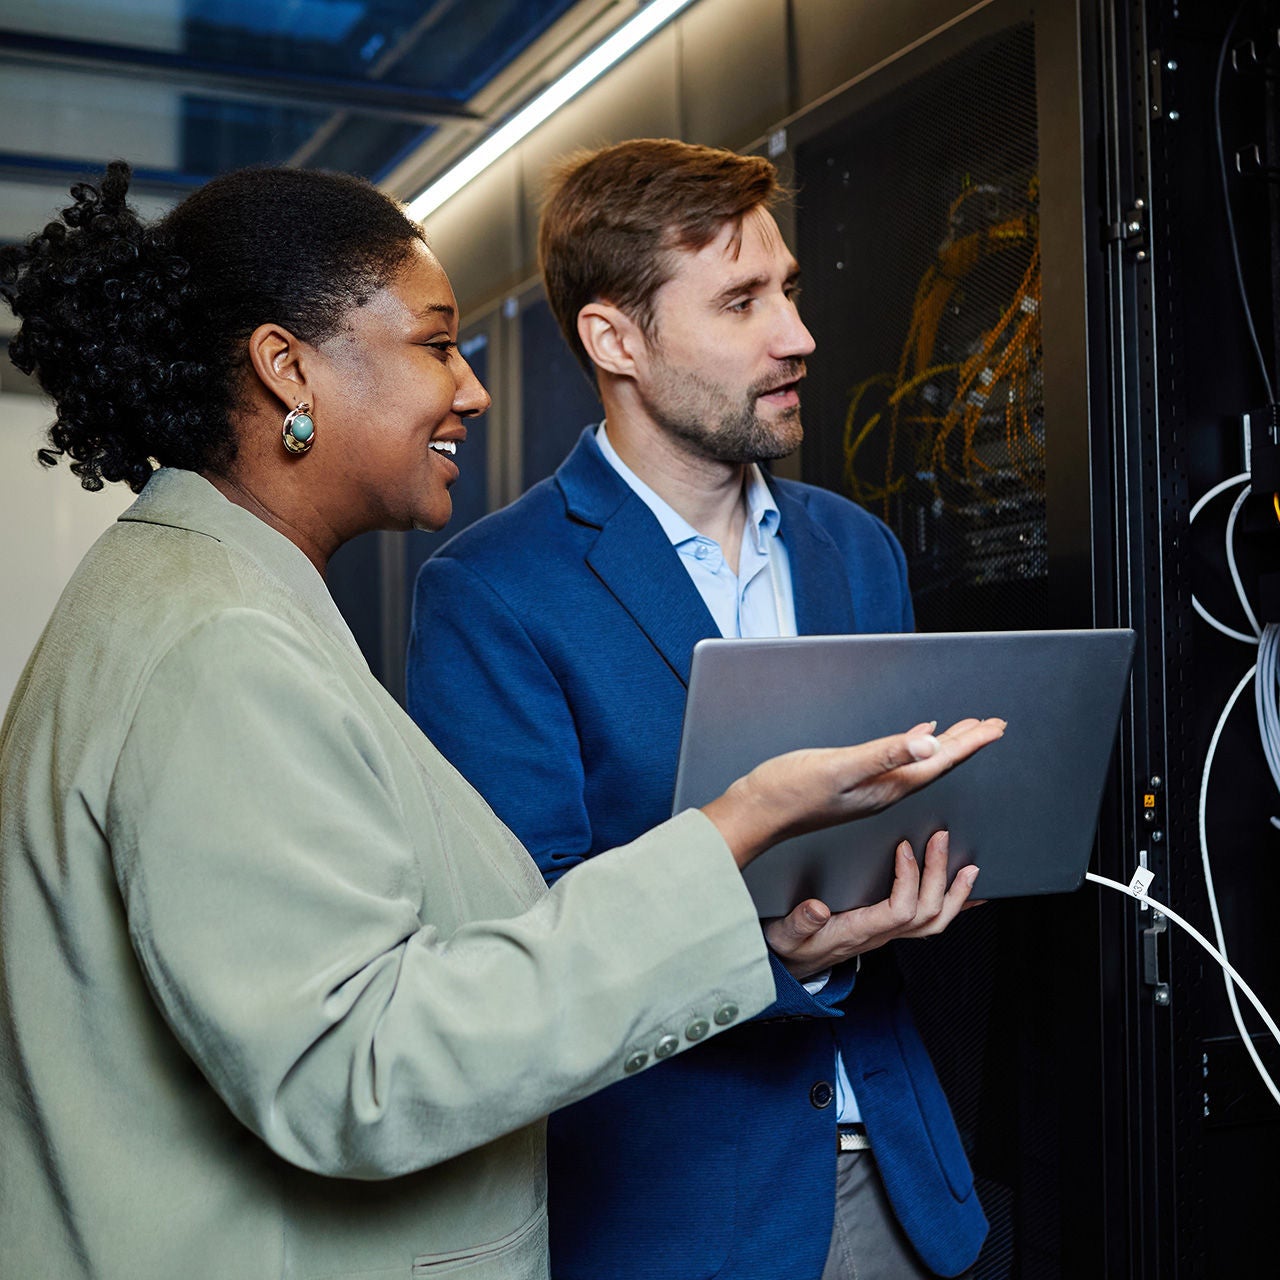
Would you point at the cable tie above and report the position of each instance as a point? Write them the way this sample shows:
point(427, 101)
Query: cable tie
point(1141, 882)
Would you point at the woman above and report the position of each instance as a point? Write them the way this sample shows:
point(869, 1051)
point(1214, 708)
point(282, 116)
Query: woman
point(281, 996)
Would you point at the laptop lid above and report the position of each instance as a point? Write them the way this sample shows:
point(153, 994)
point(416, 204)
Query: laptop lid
point(1024, 809)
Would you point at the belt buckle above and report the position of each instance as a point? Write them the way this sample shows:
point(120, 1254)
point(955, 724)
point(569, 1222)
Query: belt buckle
point(852, 1137)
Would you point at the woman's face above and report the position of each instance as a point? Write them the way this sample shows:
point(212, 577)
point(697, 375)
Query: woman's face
point(389, 395)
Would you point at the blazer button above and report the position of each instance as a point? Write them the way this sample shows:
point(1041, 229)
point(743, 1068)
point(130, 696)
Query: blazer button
point(666, 1047)
point(635, 1062)
point(725, 1014)
point(697, 1029)
point(821, 1094)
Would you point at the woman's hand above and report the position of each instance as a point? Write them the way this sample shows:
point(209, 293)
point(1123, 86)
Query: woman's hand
point(920, 905)
point(823, 786)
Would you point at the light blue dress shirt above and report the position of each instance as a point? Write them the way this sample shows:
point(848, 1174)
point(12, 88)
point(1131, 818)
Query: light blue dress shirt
point(756, 601)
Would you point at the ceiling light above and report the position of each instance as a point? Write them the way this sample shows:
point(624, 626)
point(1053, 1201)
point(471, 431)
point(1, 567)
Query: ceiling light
point(632, 32)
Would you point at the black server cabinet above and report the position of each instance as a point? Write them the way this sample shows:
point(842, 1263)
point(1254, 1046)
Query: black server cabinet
point(1205, 134)
point(1011, 245)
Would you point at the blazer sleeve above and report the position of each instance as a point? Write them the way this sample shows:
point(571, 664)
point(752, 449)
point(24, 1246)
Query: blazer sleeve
point(289, 926)
point(480, 689)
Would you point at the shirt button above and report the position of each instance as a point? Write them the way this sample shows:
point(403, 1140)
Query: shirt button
point(666, 1047)
point(635, 1062)
point(821, 1094)
point(701, 551)
point(725, 1014)
point(697, 1029)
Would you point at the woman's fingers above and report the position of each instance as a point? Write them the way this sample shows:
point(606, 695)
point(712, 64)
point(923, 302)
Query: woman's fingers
point(954, 745)
point(890, 768)
point(805, 790)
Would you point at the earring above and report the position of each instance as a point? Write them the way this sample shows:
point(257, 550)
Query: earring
point(299, 432)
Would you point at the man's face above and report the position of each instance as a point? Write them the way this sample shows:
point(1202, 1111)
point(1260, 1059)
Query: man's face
point(721, 372)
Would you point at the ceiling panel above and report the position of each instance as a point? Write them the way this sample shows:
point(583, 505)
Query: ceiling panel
point(186, 89)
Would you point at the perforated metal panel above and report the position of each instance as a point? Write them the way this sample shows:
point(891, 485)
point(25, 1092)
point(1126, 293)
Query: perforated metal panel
point(924, 208)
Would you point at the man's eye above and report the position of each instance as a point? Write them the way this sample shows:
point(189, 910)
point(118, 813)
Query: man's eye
point(742, 304)
point(443, 348)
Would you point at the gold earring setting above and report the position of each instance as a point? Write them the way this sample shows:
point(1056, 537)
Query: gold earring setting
point(299, 432)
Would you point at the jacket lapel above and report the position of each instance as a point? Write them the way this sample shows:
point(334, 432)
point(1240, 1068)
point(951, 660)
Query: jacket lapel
point(632, 557)
point(819, 576)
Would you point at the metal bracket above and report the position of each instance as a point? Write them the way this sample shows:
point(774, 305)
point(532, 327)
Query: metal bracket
point(1160, 66)
point(1151, 957)
point(1131, 231)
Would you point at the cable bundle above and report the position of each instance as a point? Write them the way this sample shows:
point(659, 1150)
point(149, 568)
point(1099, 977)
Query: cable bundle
point(1266, 693)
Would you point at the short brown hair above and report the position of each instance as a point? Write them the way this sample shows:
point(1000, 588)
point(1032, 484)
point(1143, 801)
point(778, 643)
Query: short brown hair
point(611, 217)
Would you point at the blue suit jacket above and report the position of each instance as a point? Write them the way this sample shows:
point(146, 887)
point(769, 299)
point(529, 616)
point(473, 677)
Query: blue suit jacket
point(549, 660)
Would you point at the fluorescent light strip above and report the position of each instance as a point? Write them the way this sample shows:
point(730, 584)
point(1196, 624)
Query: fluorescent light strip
point(632, 32)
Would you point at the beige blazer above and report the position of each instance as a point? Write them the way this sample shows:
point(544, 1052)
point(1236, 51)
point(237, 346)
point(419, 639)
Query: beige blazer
point(279, 995)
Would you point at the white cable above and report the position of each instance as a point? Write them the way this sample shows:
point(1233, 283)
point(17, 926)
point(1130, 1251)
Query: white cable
point(1221, 487)
point(1218, 488)
point(1231, 558)
point(1233, 976)
point(1221, 626)
point(1208, 876)
point(1266, 671)
point(1265, 700)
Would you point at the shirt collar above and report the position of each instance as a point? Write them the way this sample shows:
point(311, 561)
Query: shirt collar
point(763, 515)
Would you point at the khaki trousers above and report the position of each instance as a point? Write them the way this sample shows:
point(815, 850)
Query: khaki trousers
point(866, 1241)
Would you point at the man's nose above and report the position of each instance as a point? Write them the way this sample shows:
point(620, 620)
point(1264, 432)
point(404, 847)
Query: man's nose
point(793, 340)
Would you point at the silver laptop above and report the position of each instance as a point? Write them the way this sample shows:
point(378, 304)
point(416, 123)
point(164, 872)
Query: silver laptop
point(1024, 809)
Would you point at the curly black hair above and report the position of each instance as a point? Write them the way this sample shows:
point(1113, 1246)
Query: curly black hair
point(137, 331)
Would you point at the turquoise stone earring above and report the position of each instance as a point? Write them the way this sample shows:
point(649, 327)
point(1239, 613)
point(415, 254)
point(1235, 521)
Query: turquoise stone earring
point(299, 430)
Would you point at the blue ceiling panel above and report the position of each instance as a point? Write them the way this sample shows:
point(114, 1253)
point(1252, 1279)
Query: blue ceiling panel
point(187, 89)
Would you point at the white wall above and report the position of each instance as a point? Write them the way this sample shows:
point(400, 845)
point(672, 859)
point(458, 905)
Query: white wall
point(47, 522)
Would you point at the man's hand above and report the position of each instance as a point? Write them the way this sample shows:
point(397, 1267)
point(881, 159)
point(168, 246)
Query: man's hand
point(919, 905)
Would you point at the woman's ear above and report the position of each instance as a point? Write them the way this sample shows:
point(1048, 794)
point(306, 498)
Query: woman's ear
point(279, 360)
point(611, 338)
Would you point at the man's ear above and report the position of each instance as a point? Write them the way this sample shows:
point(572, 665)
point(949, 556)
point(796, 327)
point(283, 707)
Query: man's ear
point(279, 359)
point(612, 338)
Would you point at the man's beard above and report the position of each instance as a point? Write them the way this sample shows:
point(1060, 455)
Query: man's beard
point(698, 412)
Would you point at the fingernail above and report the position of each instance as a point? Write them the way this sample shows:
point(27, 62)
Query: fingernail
point(813, 916)
point(922, 746)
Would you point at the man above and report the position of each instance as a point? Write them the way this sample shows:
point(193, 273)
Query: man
point(549, 660)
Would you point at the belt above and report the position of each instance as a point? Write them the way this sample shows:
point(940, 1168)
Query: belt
point(852, 1137)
